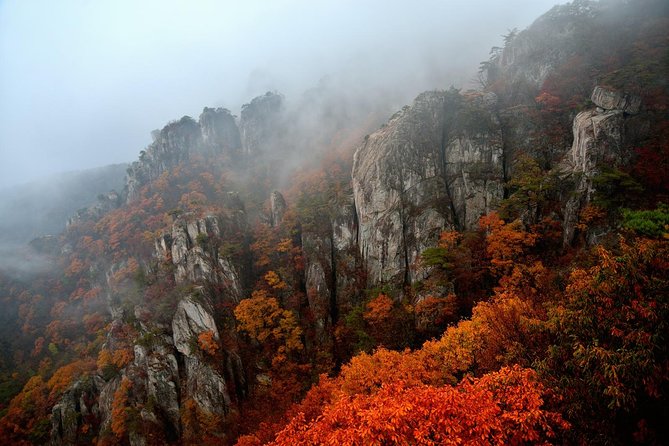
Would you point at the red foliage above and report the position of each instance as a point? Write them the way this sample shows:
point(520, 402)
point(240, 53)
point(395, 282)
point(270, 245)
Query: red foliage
point(502, 408)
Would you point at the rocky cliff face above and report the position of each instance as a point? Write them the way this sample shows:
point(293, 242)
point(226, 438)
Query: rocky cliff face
point(277, 206)
point(216, 132)
point(599, 140)
point(105, 203)
point(192, 248)
point(531, 55)
point(203, 384)
point(79, 402)
point(170, 372)
point(439, 163)
point(436, 164)
point(171, 146)
point(219, 132)
point(259, 123)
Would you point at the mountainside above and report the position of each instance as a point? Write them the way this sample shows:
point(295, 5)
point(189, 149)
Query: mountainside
point(487, 267)
point(43, 207)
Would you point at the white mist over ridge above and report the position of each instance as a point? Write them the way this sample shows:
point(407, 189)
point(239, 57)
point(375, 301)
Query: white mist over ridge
point(83, 83)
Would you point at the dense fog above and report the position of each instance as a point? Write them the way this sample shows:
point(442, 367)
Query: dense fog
point(83, 83)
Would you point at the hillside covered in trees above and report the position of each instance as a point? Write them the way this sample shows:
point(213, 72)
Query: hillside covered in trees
point(487, 266)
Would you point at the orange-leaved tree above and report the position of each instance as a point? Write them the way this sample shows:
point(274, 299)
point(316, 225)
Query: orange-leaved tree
point(507, 243)
point(505, 407)
point(264, 321)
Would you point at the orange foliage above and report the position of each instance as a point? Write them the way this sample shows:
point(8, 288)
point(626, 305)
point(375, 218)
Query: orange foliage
point(367, 373)
point(507, 242)
point(119, 414)
point(433, 313)
point(118, 359)
point(104, 359)
point(122, 357)
point(66, 375)
point(378, 310)
point(449, 239)
point(590, 215)
point(285, 245)
point(208, 342)
point(274, 280)
point(501, 408)
point(26, 410)
point(266, 322)
point(75, 267)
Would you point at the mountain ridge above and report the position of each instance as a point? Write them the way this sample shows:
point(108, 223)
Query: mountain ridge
point(203, 301)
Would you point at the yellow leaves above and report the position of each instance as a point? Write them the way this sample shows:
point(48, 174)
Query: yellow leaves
point(366, 373)
point(265, 321)
point(274, 280)
point(285, 245)
point(453, 353)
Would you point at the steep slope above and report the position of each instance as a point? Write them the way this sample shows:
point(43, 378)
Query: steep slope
point(43, 207)
point(435, 164)
point(202, 301)
point(215, 133)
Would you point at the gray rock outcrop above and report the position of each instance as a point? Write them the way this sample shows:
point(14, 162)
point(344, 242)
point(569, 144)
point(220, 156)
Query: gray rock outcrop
point(259, 123)
point(599, 140)
point(156, 366)
point(206, 387)
point(216, 132)
point(318, 256)
point(193, 247)
point(436, 164)
point(609, 99)
point(77, 403)
point(191, 319)
point(278, 208)
point(105, 203)
point(530, 56)
point(219, 131)
point(204, 384)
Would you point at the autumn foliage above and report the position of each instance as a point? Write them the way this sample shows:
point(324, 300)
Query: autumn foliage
point(120, 408)
point(264, 321)
point(507, 333)
point(208, 343)
point(502, 408)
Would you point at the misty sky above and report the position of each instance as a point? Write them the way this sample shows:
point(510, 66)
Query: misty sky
point(82, 83)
